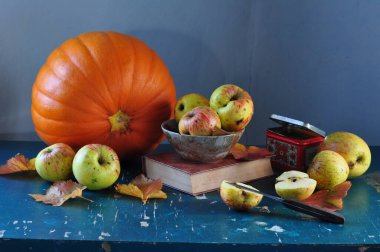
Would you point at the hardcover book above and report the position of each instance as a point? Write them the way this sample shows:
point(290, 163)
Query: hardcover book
point(197, 178)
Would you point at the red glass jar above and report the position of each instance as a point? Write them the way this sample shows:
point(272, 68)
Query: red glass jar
point(294, 143)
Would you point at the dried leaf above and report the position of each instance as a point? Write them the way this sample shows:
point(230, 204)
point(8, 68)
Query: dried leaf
point(330, 199)
point(18, 163)
point(143, 188)
point(61, 191)
point(242, 152)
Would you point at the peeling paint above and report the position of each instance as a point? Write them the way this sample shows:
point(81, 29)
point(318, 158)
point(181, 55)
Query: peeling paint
point(264, 209)
point(15, 222)
point(51, 231)
point(115, 218)
point(67, 234)
point(145, 216)
point(201, 197)
point(276, 229)
point(144, 224)
point(105, 234)
point(244, 230)
point(213, 202)
point(2, 232)
point(261, 223)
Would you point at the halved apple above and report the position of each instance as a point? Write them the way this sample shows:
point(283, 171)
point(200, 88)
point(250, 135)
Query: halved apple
point(295, 185)
point(239, 199)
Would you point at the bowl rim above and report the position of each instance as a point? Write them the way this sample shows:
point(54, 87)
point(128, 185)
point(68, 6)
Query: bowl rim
point(172, 132)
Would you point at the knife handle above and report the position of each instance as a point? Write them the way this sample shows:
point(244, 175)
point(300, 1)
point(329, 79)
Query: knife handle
point(318, 212)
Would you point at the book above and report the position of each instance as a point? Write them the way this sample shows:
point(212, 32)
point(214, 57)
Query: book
point(197, 178)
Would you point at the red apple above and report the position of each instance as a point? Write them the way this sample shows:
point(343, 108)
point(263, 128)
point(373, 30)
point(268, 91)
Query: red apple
point(200, 121)
point(54, 163)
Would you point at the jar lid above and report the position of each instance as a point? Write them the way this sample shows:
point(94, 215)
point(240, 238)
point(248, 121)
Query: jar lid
point(286, 121)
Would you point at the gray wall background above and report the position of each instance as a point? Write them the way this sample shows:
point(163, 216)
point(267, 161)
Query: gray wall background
point(316, 61)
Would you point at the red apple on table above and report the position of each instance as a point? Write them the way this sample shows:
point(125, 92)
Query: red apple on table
point(96, 166)
point(352, 148)
point(233, 105)
point(187, 103)
point(200, 121)
point(54, 163)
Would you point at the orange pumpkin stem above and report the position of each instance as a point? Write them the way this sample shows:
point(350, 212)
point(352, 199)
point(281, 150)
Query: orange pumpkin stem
point(119, 121)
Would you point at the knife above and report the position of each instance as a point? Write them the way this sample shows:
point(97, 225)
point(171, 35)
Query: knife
point(318, 212)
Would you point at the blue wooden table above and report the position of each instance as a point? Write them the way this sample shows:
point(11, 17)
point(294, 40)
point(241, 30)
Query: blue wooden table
point(119, 223)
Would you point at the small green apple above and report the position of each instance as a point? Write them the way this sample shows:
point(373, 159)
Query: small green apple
point(233, 105)
point(187, 103)
point(54, 163)
point(239, 199)
point(352, 148)
point(329, 169)
point(96, 166)
point(295, 185)
point(200, 121)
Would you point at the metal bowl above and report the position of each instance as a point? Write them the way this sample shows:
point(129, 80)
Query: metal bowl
point(205, 149)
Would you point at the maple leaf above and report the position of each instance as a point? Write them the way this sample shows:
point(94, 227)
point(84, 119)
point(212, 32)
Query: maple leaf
point(60, 192)
point(242, 152)
point(143, 188)
point(330, 199)
point(18, 163)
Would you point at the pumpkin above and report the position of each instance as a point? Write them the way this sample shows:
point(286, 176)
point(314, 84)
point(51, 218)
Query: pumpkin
point(103, 87)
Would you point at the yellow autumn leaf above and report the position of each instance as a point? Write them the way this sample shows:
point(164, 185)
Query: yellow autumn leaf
point(143, 188)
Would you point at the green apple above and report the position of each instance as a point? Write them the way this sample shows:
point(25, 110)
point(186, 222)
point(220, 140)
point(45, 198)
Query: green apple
point(233, 105)
point(239, 199)
point(329, 169)
point(295, 185)
point(352, 148)
point(96, 166)
point(187, 103)
point(200, 121)
point(54, 163)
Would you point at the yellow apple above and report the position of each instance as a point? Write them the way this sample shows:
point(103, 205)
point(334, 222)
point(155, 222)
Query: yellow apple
point(352, 148)
point(96, 166)
point(187, 103)
point(233, 105)
point(295, 185)
point(329, 169)
point(239, 199)
point(54, 163)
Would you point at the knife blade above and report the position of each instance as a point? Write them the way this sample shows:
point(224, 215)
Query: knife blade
point(299, 206)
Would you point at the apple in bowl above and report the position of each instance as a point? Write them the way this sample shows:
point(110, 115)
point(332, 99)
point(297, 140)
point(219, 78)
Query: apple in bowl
point(200, 121)
point(233, 105)
point(96, 166)
point(187, 103)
